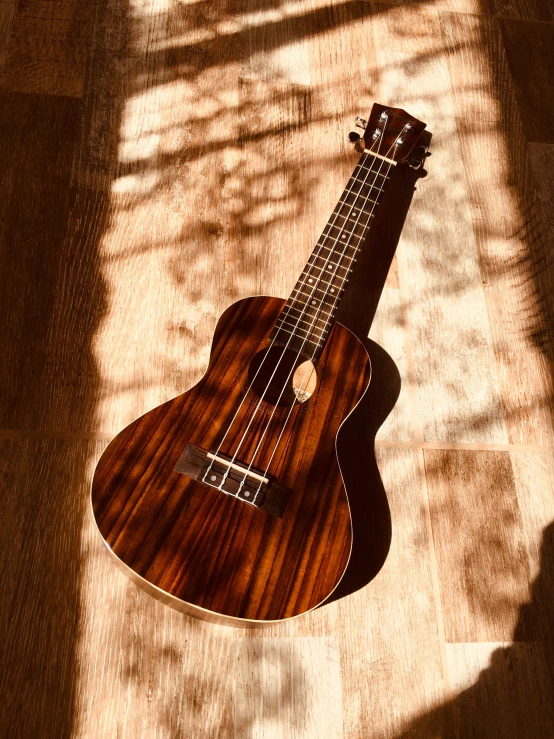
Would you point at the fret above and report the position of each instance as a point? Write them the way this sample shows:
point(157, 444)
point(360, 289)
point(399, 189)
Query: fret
point(365, 177)
point(311, 279)
point(366, 195)
point(303, 321)
point(290, 306)
point(361, 168)
point(341, 232)
point(366, 180)
point(304, 330)
point(359, 220)
point(372, 189)
point(318, 285)
point(357, 211)
point(309, 312)
point(318, 290)
point(280, 329)
point(341, 256)
point(330, 266)
point(333, 250)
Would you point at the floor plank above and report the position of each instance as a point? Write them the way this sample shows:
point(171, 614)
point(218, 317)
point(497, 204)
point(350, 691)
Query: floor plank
point(43, 504)
point(437, 257)
point(48, 47)
point(542, 163)
point(480, 543)
point(286, 687)
point(46, 302)
point(161, 159)
point(532, 10)
point(388, 332)
point(173, 227)
point(502, 690)
point(515, 256)
point(530, 53)
point(534, 485)
point(389, 637)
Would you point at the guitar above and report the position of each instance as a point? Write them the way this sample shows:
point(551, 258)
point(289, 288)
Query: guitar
point(227, 502)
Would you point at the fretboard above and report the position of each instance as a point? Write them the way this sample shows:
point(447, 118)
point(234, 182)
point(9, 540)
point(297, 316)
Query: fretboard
point(308, 314)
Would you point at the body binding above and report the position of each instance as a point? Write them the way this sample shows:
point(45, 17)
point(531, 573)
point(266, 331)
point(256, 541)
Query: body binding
point(212, 555)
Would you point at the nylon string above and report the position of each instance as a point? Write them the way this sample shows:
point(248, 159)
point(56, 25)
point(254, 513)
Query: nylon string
point(292, 334)
point(288, 308)
point(306, 371)
point(311, 328)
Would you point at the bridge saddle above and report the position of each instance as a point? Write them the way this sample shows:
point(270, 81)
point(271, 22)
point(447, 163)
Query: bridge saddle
point(235, 479)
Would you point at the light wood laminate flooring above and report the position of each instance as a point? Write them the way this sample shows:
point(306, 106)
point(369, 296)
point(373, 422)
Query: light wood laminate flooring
point(160, 159)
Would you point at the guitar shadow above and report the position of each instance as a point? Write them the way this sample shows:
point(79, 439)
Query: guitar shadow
point(371, 519)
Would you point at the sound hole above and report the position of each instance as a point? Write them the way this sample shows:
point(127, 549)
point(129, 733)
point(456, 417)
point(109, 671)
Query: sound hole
point(294, 379)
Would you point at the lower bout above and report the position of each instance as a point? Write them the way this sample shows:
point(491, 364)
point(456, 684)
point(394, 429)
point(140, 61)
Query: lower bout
point(190, 609)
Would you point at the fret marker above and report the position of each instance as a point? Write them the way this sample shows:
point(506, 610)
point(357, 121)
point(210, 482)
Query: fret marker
point(213, 478)
point(332, 290)
point(329, 267)
point(313, 302)
point(310, 280)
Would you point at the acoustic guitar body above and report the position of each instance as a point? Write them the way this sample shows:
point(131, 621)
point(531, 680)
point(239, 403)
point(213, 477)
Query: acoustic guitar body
point(216, 555)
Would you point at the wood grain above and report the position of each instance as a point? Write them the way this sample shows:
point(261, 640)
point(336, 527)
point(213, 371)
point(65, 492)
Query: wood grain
point(515, 259)
point(132, 216)
point(532, 10)
point(294, 702)
point(438, 259)
point(214, 551)
point(39, 620)
point(387, 331)
point(534, 86)
point(500, 685)
point(40, 344)
point(542, 161)
point(480, 543)
point(48, 47)
point(391, 634)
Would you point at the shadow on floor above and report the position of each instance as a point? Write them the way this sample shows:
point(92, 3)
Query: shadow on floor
point(52, 300)
point(371, 520)
point(512, 698)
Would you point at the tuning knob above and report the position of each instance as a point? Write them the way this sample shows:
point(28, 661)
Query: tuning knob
point(418, 156)
point(360, 123)
point(354, 137)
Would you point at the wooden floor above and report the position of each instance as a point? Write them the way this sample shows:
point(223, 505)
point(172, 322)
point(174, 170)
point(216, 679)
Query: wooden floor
point(160, 159)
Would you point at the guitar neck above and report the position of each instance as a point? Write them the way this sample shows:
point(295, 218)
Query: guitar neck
point(309, 313)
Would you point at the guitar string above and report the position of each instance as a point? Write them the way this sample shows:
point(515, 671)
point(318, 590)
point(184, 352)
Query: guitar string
point(288, 309)
point(287, 419)
point(292, 334)
point(312, 326)
point(313, 354)
point(226, 474)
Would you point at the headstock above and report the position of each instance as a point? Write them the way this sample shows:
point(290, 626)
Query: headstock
point(390, 132)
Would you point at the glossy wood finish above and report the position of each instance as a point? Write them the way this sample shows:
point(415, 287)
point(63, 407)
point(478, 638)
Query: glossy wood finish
point(103, 321)
point(392, 129)
point(209, 549)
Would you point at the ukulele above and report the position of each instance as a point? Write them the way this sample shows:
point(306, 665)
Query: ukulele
point(227, 502)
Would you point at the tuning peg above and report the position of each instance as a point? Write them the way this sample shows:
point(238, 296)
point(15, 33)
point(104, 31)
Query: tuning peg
point(360, 123)
point(418, 156)
point(354, 137)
